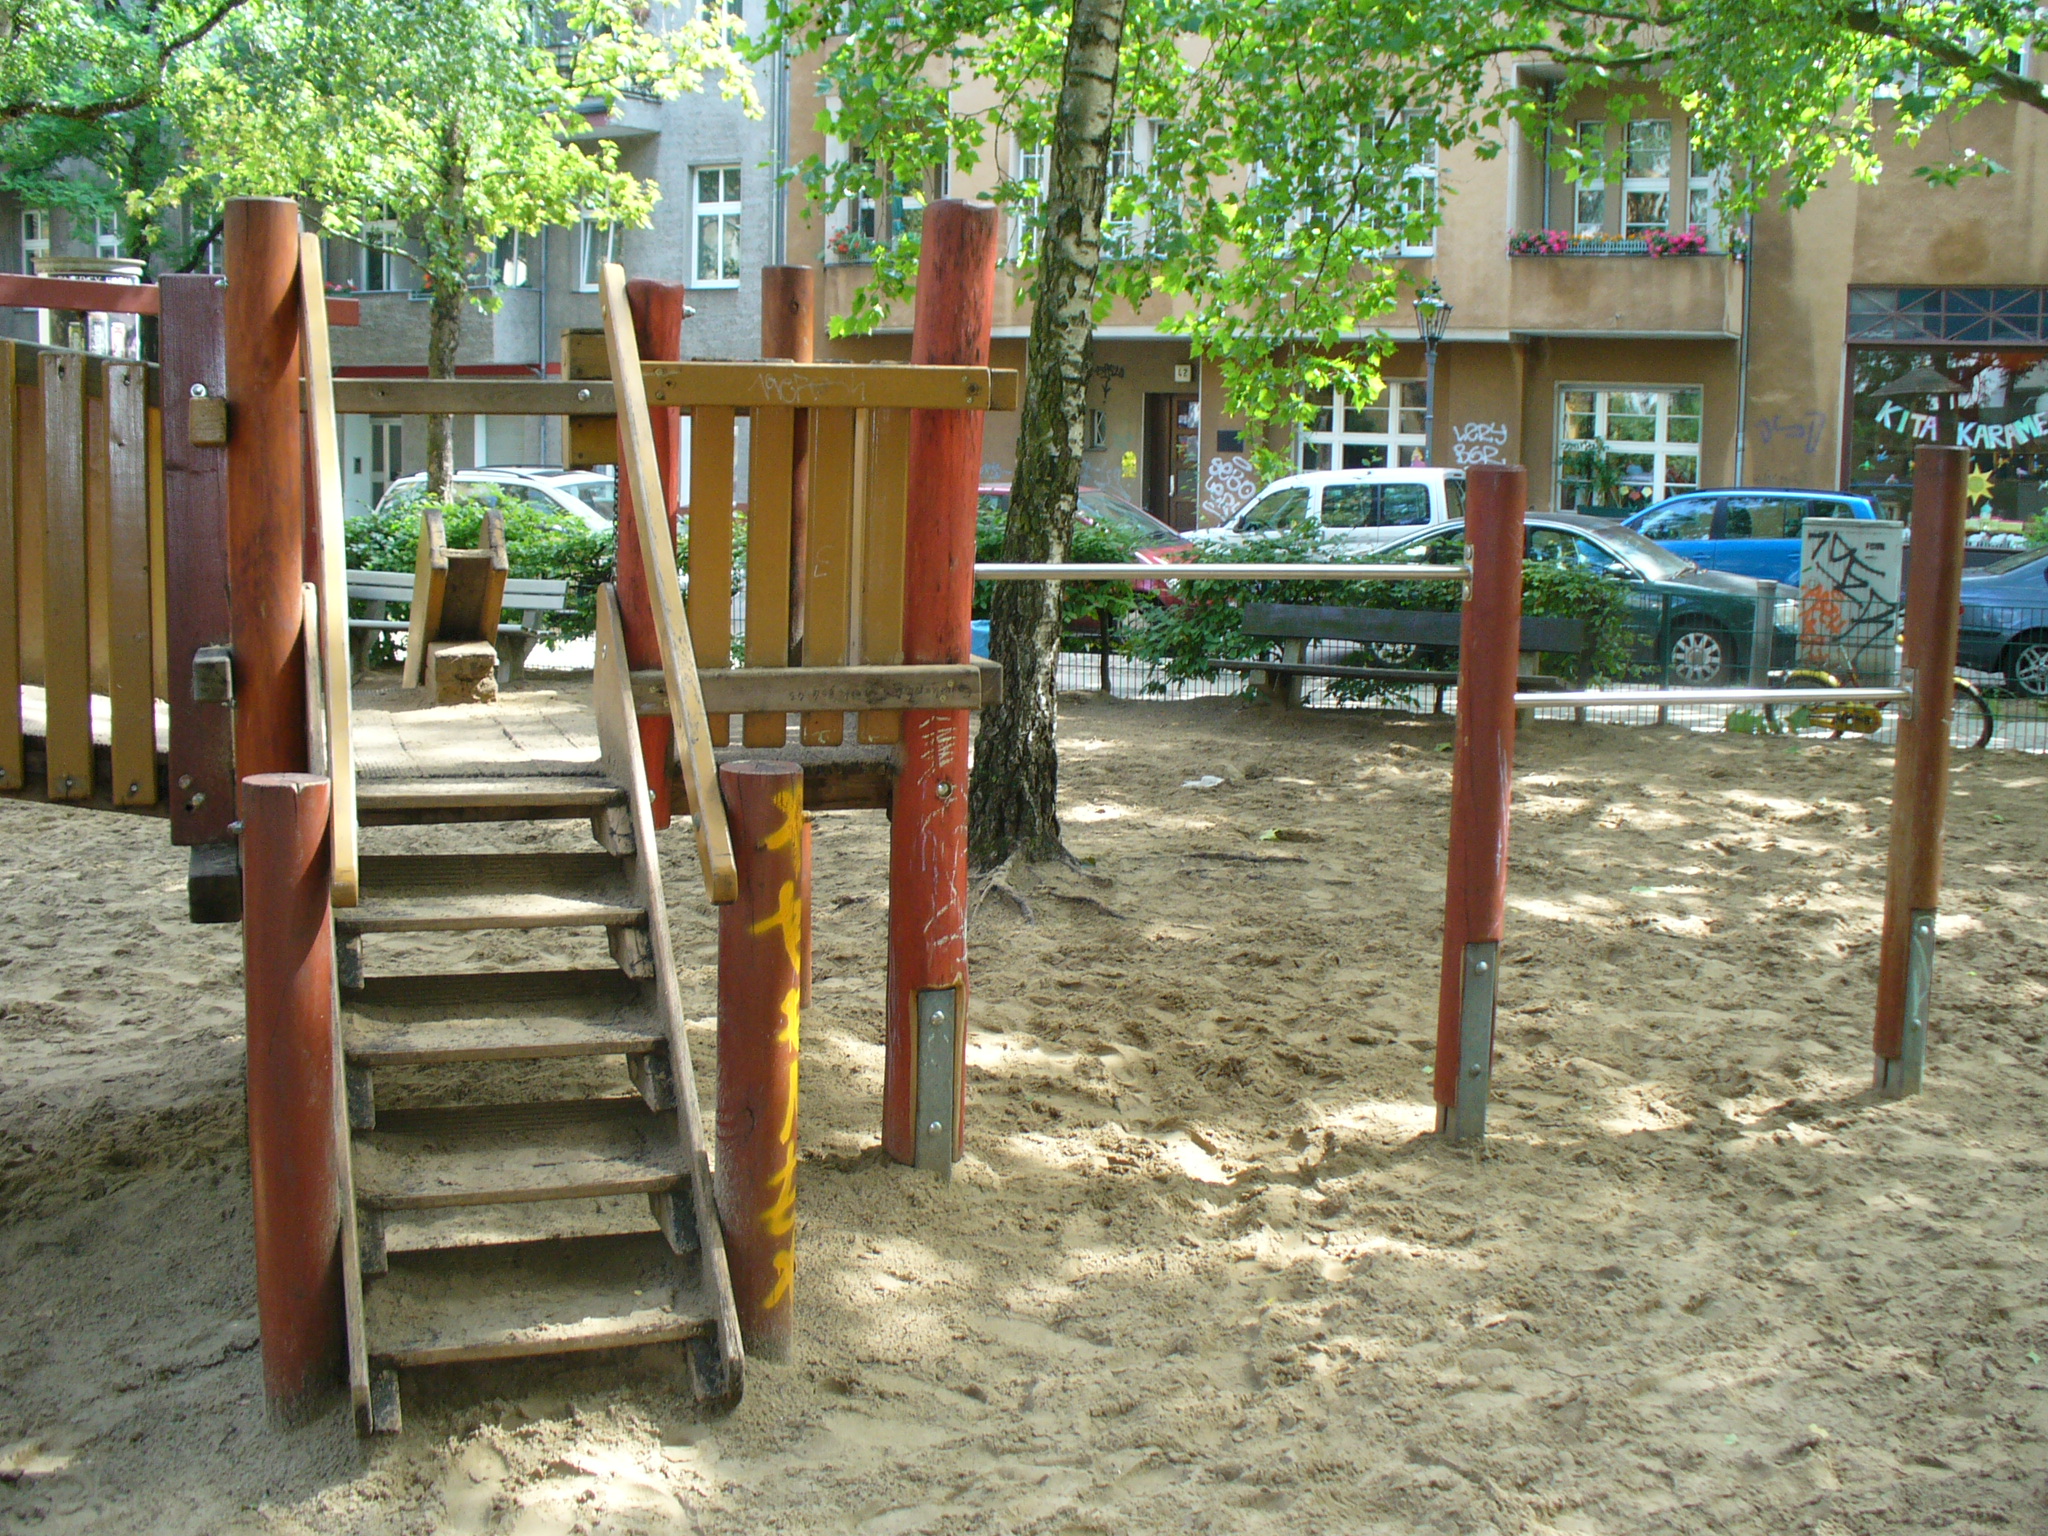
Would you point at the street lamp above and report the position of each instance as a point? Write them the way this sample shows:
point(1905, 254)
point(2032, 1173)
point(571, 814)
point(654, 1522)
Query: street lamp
point(1432, 318)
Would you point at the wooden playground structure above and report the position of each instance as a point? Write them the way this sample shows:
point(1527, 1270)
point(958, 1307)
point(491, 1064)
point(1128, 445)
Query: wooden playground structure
point(174, 641)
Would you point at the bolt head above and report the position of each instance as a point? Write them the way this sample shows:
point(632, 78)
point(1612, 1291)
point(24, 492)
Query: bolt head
point(935, 1127)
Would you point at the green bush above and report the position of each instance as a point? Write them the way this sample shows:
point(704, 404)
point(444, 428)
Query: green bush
point(1081, 602)
point(1186, 639)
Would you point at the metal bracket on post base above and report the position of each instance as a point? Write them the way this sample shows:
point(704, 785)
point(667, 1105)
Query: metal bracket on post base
point(938, 1089)
point(1464, 1119)
point(1899, 1076)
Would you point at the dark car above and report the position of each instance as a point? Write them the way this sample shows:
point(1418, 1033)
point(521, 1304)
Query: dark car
point(1706, 640)
point(1158, 543)
point(2005, 621)
point(1746, 533)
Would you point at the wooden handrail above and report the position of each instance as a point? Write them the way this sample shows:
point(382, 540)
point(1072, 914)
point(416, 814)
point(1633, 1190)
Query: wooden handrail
point(84, 295)
point(325, 440)
point(672, 626)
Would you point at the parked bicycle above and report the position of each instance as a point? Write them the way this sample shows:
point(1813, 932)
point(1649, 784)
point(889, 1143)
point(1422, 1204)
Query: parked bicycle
point(1971, 722)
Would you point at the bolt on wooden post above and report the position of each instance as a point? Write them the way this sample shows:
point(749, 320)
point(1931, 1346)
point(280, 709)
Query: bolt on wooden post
point(925, 1033)
point(1905, 976)
point(1482, 778)
point(762, 951)
point(294, 1166)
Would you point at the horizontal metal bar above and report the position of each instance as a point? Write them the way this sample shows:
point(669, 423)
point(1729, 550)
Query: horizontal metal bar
point(1000, 571)
point(1622, 698)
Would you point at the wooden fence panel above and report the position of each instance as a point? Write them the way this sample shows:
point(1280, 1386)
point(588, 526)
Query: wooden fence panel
point(769, 475)
point(67, 676)
point(131, 658)
point(884, 501)
point(709, 526)
point(829, 552)
point(97, 531)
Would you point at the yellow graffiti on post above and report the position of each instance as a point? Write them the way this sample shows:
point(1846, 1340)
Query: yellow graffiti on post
point(789, 917)
point(780, 1218)
point(787, 801)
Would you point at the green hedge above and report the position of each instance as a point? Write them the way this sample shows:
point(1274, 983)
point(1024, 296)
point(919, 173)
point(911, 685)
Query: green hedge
point(1080, 601)
point(1186, 639)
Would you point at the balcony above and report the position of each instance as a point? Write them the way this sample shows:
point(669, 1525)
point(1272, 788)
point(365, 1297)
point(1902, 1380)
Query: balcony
point(1627, 291)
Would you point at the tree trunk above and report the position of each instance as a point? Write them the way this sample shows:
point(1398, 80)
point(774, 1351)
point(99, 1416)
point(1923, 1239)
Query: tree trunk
point(1014, 793)
point(447, 250)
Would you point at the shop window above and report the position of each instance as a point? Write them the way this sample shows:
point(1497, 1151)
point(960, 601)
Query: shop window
point(1989, 400)
point(1646, 177)
point(1348, 434)
point(1650, 438)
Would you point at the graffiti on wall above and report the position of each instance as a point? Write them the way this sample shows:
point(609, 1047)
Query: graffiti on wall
point(1809, 429)
point(1849, 571)
point(1227, 484)
point(1479, 442)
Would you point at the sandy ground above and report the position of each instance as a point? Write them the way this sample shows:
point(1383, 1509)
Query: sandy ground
point(1204, 1270)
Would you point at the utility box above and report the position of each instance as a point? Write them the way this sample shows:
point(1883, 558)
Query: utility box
point(1850, 569)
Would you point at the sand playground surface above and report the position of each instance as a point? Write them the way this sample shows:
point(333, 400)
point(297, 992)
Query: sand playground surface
point(1204, 1270)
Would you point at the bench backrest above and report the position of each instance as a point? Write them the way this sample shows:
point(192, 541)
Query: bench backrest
point(523, 593)
point(1396, 626)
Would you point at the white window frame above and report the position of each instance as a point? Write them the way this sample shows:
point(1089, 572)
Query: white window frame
point(721, 212)
point(35, 237)
point(1704, 190)
point(1593, 188)
point(1426, 177)
point(1633, 185)
point(511, 262)
point(106, 236)
point(1396, 446)
point(594, 238)
point(1032, 167)
point(393, 272)
point(1662, 448)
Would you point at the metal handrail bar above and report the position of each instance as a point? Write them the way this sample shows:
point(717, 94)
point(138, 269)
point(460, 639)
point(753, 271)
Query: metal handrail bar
point(1622, 698)
point(1002, 571)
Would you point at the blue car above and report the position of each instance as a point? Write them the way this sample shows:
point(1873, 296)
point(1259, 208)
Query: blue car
point(1745, 533)
point(2005, 621)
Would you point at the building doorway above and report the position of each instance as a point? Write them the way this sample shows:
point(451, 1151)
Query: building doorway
point(1173, 454)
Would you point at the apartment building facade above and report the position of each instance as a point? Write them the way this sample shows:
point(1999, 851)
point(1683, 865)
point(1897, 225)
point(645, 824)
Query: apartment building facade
point(1807, 348)
point(716, 224)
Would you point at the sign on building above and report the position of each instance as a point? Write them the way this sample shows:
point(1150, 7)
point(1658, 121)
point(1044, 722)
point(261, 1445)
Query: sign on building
point(1849, 580)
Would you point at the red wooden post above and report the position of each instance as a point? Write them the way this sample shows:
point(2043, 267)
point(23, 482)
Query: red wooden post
point(925, 1035)
point(658, 330)
point(266, 485)
point(1905, 974)
point(786, 309)
point(1482, 776)
point(288, 979)
point(760, 999)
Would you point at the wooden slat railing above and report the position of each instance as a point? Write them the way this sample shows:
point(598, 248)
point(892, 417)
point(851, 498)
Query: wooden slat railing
point(324, 440)
point(678, 661)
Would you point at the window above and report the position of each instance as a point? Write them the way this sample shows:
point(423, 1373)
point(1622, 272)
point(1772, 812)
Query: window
point(1589, 211)
point(1348, 434)
point(1646, 177)
point(1687, 520)
point(1275, 511)
point(384, 271)
point(1118, 233)
point(1033, 171)
point(508, 262)
point(1651, 439)
point(1404, 506)
point(1766, 517)
point(595, 243)
point(1705, 186)
point(1420, 197)
point(1944, 314)
point(1347, 506)
point(106, 235)
point(35, 236)
point(718, 226)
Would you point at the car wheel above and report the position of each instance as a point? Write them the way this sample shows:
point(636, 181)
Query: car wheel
point(2026, 666)
point(1701, 656)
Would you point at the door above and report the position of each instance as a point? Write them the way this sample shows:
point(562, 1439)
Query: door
point(1685, 528)
point(385, 455)
point(1173, 456)
point(1759, 536)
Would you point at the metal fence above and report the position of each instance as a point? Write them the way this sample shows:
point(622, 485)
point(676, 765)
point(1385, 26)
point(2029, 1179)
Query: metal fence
point(2004, 654)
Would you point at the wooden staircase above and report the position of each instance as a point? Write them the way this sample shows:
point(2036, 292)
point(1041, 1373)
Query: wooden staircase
point(525, 1200)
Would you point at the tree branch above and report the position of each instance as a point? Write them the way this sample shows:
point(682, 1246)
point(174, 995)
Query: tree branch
point(2012, 85)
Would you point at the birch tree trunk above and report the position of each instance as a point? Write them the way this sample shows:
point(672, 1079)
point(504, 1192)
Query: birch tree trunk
point(446, 251)
point(1013, 796)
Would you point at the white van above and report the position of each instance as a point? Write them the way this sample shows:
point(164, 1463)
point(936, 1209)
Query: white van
point(1354, 510)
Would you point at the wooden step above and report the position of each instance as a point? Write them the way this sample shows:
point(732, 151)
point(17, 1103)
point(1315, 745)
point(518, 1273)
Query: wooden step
point(532, 1299)
point(426, 892)
point(393, 1021)
point(408, 802)
point(508, 1154)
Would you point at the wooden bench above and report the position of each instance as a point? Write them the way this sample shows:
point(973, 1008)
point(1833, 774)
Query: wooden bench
point(1294, 625)
point(530, 597)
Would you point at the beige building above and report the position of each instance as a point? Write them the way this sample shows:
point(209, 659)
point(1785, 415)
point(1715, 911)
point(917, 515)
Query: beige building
point(1772, 355)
